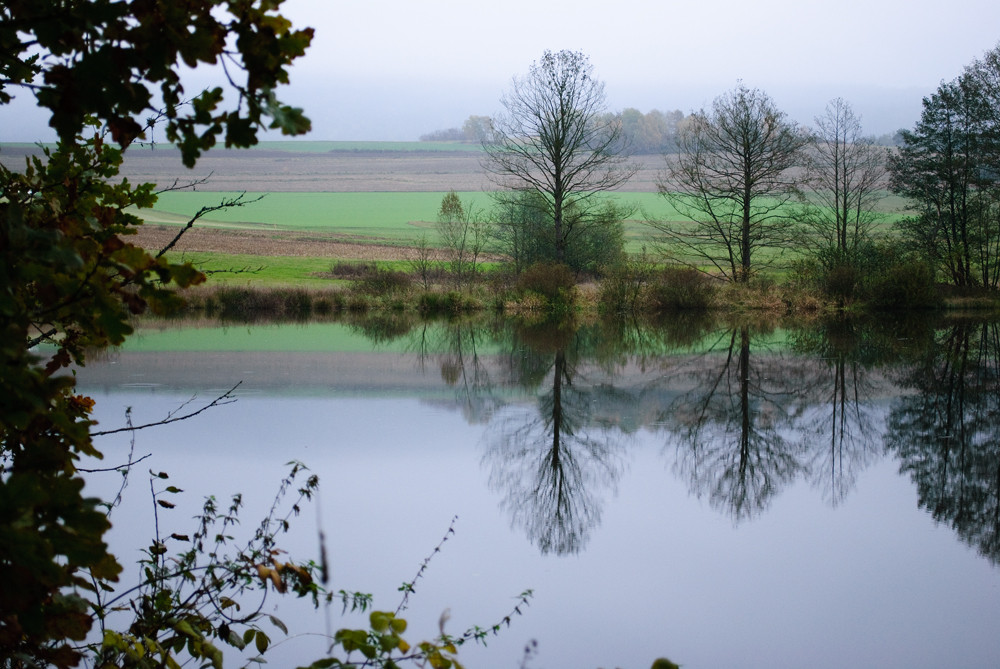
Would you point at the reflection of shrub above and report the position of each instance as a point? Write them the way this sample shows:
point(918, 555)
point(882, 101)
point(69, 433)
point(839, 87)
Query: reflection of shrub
point(680, 289)
point(552, 281)
point(383, 328)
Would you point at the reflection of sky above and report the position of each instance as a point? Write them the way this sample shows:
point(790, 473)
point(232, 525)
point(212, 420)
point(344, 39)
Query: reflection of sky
point(874, 582)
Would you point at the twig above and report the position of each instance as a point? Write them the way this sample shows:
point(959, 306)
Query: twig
point(114, 469)
point(225, 398)
point(408, 587)
point(238, 201)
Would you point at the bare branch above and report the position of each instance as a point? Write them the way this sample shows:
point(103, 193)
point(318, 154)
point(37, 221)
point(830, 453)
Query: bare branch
point(225, 398)
point(240, 200)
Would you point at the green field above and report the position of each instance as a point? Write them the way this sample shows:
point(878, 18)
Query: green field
point(388, 216)
point(242, 270)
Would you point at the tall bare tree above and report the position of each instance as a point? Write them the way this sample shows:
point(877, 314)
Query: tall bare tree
point(845, 181)
point(554, 138)
point(732, 179)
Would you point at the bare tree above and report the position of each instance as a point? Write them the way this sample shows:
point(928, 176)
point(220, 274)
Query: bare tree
point(732, 179)
point(845, 178)
point(554, 138)
point(464, 233)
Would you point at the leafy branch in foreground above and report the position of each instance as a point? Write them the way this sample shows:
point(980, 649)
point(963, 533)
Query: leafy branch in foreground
point(383, 646)
point(188, 605)
point(210, 593)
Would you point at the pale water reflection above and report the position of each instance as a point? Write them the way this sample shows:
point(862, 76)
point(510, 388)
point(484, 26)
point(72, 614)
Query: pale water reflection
point(723, 495)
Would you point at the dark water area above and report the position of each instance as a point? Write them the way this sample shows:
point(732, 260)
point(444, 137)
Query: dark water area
point(724, 494)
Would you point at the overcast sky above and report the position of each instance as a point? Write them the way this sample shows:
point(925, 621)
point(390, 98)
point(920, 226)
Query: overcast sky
point(396, 69)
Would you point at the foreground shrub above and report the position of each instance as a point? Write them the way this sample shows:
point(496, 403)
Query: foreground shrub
point(881, 274)
point(842, 282)
point(680, 289)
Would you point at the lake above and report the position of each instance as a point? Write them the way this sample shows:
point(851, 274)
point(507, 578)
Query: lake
point(722, 494)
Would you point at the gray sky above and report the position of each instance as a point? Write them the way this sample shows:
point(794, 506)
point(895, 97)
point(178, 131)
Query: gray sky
point(395, 69)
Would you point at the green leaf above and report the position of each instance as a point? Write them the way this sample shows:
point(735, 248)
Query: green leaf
point(277, 623)
point(234, 640)
point(262, 641)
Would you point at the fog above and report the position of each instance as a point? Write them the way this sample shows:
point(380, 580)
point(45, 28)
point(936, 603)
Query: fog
point(394, 70)
point(404, 110)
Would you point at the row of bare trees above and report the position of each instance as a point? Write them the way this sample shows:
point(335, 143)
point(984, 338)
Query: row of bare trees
point(751, 185)
point(740, 168)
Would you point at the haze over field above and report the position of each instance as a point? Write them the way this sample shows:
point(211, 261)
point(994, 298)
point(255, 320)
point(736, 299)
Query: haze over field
point(394, 69)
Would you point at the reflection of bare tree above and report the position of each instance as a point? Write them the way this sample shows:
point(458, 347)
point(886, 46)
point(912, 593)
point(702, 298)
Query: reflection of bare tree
point(947, 436)
point(457, 350)
point(730, 426)
point(843, 428)
point(845, 431)
point(549, 465)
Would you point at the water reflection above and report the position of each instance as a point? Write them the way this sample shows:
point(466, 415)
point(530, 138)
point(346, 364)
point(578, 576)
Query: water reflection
point(731, 425)
point(740, 411)
point(844, 427)
point(745, 411)
point(945, 431)
point(552, 462)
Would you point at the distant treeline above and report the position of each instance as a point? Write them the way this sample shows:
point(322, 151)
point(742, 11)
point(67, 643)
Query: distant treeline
point(654, 132)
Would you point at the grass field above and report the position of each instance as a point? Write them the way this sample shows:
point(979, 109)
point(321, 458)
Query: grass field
point(376, 217)
point(392, 215)
point(244, 270)
point(377, 196)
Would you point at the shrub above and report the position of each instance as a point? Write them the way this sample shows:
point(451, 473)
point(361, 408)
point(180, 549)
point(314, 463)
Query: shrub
point(624, 284)
point(842, 281)
point(381, 282)
point(296, 304)
point(908, 285)
point(440, 303)
point(680, 289)
point(524, 231)
point(328, 304)
point(553, 281)
point(352, 270)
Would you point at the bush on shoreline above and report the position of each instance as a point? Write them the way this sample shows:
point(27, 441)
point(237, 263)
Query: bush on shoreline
point(637, 286)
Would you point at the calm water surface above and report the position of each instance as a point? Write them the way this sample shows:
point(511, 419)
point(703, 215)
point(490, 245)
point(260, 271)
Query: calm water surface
point(722, 495)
